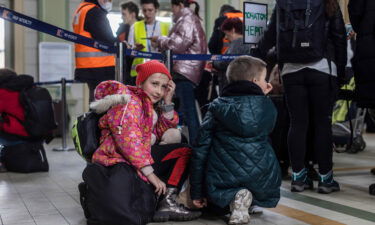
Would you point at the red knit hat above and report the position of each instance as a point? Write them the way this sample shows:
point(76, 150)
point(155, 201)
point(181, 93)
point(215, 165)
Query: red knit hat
point(148, 68)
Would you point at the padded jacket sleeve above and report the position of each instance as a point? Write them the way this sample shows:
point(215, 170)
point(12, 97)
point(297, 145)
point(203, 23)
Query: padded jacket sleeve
point(97, 25)
point(337, 35)
point(268, 40)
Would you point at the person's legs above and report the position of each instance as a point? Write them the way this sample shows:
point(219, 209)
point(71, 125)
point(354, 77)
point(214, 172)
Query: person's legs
point(322, 90)
point(93, 76)
point(297, 102)
point(296, 99)
point(171, 163)
point(171, 166)
point(187, 110)
point(321, 95)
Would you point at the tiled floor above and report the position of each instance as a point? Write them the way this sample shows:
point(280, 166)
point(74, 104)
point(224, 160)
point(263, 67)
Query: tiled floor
point(52, 198)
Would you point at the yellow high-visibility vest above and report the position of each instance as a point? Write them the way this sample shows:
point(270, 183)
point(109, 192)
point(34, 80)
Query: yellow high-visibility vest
point(139, 37)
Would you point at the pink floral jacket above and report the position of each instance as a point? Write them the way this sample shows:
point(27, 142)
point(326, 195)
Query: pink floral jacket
point(127, 126)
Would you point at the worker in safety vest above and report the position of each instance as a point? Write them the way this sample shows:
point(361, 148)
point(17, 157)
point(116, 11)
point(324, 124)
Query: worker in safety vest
point(92, 65)
point(149, 27)
point(218, 44)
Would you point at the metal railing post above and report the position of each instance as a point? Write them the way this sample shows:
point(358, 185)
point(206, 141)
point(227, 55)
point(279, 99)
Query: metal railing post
point(64, 117)
point(168, 60)
point(120, 63)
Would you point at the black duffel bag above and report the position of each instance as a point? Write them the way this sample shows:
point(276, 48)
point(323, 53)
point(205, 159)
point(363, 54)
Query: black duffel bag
point(116, 195)
point(26, 157)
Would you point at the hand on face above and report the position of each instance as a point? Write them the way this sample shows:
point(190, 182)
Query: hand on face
point(169, 92)
point(158, 87)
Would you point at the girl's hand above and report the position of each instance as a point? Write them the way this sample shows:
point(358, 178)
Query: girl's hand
point(169, 92)
point(200, 203)
point(160, 187)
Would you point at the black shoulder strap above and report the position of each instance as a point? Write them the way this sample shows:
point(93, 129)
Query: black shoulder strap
point(308, 13)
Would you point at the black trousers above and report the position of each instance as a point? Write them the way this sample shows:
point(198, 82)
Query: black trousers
point(310, 95)
point(171, 163)
point(94, 76)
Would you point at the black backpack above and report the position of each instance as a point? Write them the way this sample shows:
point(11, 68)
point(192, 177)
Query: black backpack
point(301, 30)
point(86, 134)
point(39, 113)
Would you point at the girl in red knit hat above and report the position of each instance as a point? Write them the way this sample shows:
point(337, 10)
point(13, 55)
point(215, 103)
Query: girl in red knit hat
point(135, 118)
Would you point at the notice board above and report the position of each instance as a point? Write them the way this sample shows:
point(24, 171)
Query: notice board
point(255, 21)
point(55, 61)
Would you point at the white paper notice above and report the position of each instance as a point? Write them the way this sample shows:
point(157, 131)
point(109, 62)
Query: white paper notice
point(55, 61)
point(255, 21)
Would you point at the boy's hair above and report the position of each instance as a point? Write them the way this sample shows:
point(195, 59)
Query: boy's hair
point(154, 2)
point(245, 68)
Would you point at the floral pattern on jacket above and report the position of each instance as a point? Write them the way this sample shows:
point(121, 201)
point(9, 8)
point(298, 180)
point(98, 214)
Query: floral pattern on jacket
point(127, 125)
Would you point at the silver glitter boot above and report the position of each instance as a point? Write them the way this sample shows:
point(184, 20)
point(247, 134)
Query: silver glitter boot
point(169, 209)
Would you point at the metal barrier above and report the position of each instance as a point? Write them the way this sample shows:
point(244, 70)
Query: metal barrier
point(168, 57)
point(64, 115)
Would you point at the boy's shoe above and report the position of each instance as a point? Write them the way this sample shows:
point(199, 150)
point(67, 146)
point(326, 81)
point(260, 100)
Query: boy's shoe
point(254, 209)
point(327, 184)
point(239, 207)
point(300, 181)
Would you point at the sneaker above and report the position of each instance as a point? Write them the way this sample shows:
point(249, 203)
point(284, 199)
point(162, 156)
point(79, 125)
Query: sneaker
point(239, 207)
point(327, 184)
point(254, 209)
point(301, 182)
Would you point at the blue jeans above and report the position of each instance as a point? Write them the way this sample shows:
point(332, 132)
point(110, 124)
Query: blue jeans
point(187, 110)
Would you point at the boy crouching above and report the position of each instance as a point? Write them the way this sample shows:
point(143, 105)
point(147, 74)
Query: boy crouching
point(233, 164)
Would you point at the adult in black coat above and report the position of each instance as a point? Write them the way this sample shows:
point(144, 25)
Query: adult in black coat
point(97, 24)
point(310, 88)
point(362, 17)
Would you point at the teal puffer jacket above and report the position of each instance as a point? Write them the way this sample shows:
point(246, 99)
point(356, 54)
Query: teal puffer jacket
point(233, 152)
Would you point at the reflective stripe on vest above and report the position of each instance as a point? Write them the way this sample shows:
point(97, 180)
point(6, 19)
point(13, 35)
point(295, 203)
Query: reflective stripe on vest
point(226, 42)
point(234, 15)
point(87, 57)
point(139, 35)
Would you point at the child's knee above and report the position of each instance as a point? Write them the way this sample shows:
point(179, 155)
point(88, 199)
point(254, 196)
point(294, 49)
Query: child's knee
point(171, 136)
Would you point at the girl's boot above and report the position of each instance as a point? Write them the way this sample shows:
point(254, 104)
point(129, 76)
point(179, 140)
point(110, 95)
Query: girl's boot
point(169, 209)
